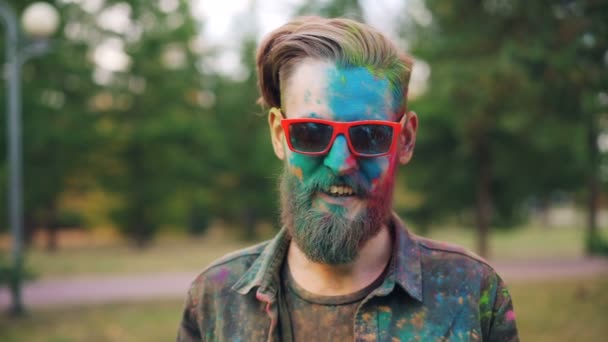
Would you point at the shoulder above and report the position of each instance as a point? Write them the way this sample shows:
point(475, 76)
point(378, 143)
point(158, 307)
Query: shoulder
point(442, 258)
point(222, 273)
point(440, 249)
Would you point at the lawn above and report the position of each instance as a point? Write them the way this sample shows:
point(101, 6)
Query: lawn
point(572, 310)
point(121, 322)
point(531, 242)
point(166, 254)
point(182, 254)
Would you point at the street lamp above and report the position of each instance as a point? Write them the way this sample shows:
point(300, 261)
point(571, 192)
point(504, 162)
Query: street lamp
point(40, 20)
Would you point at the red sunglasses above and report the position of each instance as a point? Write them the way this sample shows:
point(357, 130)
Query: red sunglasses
point(367, 138)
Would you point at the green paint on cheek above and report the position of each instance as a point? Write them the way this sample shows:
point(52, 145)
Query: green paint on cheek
point(305, 165)
point(296, 171)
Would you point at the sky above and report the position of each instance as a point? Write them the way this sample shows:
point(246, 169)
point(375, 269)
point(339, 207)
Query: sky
point(220, 15)
point(224, 24)
point(226, 21)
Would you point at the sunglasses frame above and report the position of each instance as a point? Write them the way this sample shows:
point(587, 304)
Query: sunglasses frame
point(340, 127)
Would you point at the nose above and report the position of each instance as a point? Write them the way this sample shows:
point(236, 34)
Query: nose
point(339, 159)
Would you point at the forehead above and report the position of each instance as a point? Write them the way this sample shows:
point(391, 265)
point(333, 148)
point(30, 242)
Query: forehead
point(321, 89)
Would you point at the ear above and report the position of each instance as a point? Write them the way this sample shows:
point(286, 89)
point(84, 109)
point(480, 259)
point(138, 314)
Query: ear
point(276, 132)
point(407, 138)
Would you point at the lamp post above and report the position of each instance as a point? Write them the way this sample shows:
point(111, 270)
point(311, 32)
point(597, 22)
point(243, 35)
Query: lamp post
point(40, 20)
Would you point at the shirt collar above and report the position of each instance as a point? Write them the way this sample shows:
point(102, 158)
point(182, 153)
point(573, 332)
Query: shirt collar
point(266, 269)
point(406, 265)
point(405, 268)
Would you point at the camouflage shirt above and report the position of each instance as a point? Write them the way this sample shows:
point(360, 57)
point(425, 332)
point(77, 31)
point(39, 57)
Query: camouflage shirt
point(432, 292)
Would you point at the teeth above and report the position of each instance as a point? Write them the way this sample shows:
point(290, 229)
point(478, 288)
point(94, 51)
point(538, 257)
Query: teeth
point(340, 190)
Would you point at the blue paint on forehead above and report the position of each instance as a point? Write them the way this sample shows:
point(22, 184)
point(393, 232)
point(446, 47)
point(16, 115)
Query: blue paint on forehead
point(350, 94)
point(356, 94)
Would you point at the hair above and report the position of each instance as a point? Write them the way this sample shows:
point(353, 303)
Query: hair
point(346, 42)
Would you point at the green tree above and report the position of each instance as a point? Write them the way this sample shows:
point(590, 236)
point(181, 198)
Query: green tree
point(500, 122)
point(59, 134)
point(155, 121)
point(582, 39)
point(330, 9)
point(244, 167)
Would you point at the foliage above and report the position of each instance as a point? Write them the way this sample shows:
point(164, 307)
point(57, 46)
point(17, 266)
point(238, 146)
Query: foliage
point(503, 121)
point(154, 122)
point(330, 9)
point(516, 103)
point(245, 169)
point(59, 135)
point(8, 274)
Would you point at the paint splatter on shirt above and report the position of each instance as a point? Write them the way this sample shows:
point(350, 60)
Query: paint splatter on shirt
point(432, 291)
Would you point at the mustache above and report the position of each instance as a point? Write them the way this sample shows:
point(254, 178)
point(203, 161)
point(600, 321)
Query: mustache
point(323, 180)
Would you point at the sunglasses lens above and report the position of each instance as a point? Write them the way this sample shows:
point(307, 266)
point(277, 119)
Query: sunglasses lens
point(371, 139)
point(310, 136)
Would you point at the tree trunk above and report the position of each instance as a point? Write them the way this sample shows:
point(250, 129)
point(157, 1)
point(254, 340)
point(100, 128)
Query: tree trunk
point(29, 230)
point(593, 184)
point(484, 198)
point(544, 212)
point(52, 237)
point(52, 227)
point(142, 236)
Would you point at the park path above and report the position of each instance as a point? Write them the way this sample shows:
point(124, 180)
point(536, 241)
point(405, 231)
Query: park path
point(173, 285)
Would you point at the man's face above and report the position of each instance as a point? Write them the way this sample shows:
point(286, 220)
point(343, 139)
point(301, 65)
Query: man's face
point(333, 203)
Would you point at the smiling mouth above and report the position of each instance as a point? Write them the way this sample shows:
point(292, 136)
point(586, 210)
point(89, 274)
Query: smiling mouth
point(339, 191)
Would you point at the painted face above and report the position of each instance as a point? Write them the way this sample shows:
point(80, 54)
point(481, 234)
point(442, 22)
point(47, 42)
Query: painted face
point(334, 203)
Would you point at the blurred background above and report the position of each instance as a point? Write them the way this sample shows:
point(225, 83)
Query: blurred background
point(145, 155)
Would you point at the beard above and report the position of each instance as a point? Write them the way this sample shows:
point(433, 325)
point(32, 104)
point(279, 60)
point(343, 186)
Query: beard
point(329, 234)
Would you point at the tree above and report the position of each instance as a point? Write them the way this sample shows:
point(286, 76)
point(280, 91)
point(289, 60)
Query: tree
point(330, 9)
point(59, 133)
point(155, 120)
point(583, 36)
point(493, 112)
point(244, 167)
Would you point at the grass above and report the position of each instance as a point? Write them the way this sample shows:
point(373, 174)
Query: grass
point(120, 322)
point(523, 243)
point(164, 256)
point(572, 310)
point(182, 254)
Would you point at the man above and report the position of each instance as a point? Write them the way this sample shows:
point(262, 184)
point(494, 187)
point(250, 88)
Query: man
point(343, 267)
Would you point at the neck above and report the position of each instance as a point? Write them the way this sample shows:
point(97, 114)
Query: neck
point(335, 280)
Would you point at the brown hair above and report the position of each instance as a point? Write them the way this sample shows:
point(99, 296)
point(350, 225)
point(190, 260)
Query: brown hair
point(346, 42)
